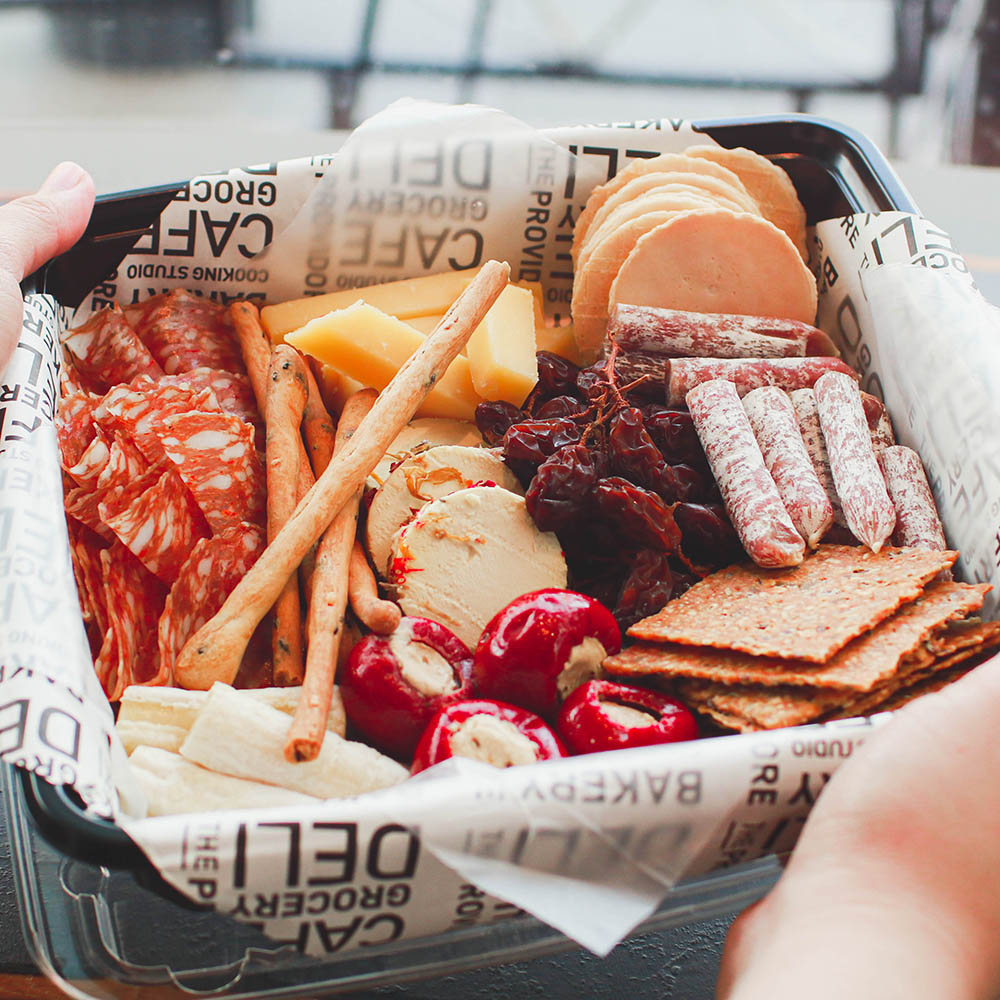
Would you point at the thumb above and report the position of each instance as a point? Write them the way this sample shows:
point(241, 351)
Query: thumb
point(40, 226)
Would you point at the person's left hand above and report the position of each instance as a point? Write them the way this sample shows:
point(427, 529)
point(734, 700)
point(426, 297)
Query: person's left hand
point(34, 229)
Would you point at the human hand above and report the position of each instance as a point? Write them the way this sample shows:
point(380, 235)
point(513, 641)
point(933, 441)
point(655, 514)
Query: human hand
point(35, 229)
point(894, 887)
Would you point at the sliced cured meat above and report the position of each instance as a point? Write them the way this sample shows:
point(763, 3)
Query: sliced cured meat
point(804, 404)
point(139, 412)
point(160, 525)
point(215, 456)
point(776, 429)
point(184, 332)
point(203, 583)
point(232, 391)
point(87, 471)
point(106, 349)
point(125, 464)
point(85, 548)
point(748, 491)
point(870, 514)
point(75, 427)
point(83, 506)
point(135, 601)
point(678, 333)
point(717, 262)
point(749, 373)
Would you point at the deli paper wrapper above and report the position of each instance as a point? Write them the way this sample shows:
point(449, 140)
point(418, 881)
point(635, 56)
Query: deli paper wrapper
point(593, 844)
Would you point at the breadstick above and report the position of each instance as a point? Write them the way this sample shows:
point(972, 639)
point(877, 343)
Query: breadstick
point(286, 398)
point(327, 604)
point(318, 428)
point(255, 346)
point(215, 650)
point(382, 617)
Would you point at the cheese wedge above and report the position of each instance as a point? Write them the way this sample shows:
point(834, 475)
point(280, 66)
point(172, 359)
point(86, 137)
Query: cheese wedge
point(466, 556)
point(718, 262)
point(421, 478)
point(558, 340)
point(363, 343)
point(336, 388)
point(412, 297)
point(501, 350)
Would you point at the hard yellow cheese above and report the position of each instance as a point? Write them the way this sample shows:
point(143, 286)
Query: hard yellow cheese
point(501, 350)
point(367, 345)
point(404, 299)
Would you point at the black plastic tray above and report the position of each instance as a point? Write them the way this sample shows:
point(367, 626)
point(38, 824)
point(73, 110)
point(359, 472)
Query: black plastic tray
point(836, 170)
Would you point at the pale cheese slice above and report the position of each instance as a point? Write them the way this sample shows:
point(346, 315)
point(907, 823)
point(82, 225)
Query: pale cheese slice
point(558, 340)
point(652, 165)
point(363, 343)
point(406, 299)
point(714, 188)
point(336, 388)
point(421, 478)
point(501, 350)
point(718, 262)
point(768, 184)
point(420, 434)
point(465, 557)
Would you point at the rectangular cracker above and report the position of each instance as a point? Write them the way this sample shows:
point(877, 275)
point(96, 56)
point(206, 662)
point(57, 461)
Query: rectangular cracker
point(772, 707)
point(859, 666)
point(805, 612)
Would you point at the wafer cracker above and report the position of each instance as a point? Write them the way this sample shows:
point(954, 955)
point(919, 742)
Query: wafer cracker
point(806, 612)
point(859, 666)
point(773, 707)
point(960, 635)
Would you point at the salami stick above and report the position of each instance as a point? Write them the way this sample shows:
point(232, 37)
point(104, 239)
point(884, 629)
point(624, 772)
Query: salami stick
point(286, 399)
point(255, 346)
point(327, 604)
point(683, 374)
point(917, 521)
point(215, 651)
point(776, 429)
point(748, 491)
point(870, 514)
point(804, 404)
point(380, 616)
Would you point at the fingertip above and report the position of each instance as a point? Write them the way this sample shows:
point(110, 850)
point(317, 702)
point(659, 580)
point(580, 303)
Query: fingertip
point(65, 177)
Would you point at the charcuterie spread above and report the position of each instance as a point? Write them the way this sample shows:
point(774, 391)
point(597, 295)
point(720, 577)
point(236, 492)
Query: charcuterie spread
point(410, 530)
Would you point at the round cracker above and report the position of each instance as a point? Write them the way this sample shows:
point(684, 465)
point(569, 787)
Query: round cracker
point(767, 183)
point(652, 165)
point(717, 262)
point(594, 277)
point(670, 198)
point(713, 187)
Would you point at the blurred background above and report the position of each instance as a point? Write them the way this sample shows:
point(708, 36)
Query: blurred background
point(196, 84)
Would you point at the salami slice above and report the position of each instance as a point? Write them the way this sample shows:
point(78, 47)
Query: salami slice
point(215, 456)
point(232, 391)
point(677, 333)
point(749, 373)
point(139, 412)
point(870, 514)
point(106, 349)
point(917, 521)
point(160, 526)
point(85, 549)
point(125, 464)
point(776, 429)
point(87, 471)
point(748, 491)
point(75, 428)
point(184, 332)
point(135, 601)
point(204, 582)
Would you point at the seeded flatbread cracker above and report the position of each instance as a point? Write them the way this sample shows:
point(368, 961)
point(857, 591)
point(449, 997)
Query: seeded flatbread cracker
point(858, 666)
point(759, 707)
point(805, 612)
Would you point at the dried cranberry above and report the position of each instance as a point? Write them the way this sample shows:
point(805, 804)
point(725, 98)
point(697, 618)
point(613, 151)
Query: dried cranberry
point(593, 383)
point(641, 514)
point(647, 588)
point(495, 418)
point(561, 406)
point(556, 377)
point(673, 433)
point(561, 489)
point(708, 537)
point(534, 440)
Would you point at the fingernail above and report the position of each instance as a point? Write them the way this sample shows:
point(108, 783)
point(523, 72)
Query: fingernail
point(65, 177)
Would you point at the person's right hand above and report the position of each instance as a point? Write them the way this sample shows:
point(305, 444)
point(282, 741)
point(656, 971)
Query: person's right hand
point(35, 229)
point(894, 887)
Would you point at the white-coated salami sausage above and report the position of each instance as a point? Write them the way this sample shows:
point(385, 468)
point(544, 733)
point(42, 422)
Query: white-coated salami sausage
point(804, 404)
point(776, 428)
point(917, 521)
point(748, 491)
point(870, 514)
point(749, 373)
